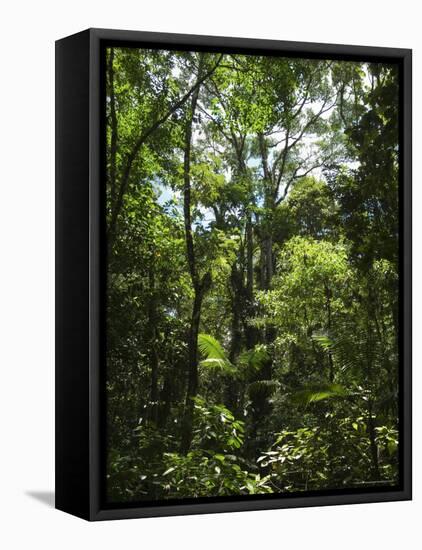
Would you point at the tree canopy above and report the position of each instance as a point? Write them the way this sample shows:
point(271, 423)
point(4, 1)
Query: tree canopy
point(252, 274)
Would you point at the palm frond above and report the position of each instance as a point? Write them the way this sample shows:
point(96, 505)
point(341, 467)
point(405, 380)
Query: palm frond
point(263, 387)
point(214, 354)
point(318, 392)
point(253, 359)
point(210, 347)
point(323, 340)
point(352, 351)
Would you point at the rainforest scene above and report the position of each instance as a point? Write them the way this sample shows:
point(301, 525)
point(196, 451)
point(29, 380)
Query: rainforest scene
point(252, 293)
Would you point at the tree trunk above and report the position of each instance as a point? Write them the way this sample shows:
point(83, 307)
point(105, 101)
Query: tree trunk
point(250, 331)
point(200, 287)
point(330, 353)
point(153, 351)
point(192, 389)
point(237, 294)
point(237, 307)
point(165, 400)
point(267, 250)
point(372, 442)
point(270, 205)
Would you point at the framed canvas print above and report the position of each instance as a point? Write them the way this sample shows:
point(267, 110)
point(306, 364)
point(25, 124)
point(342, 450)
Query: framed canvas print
point(233, 274)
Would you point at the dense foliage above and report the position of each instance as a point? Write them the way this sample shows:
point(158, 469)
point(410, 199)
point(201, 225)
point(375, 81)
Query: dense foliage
point(252, 284)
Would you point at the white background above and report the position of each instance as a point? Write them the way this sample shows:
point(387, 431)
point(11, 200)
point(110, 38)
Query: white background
point(28, 31)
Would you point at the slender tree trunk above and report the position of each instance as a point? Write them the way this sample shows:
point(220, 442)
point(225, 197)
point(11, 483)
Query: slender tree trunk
point(165, 400)
point(192, 389)
point(249, 256)
point(268, 260)
point(269, 204)
point(237, 293)
point(330, 353)
point(200, 286)
point(260, 403)
point(153, 350)
point(370, 377)
point(372, 441)
point(250, 331)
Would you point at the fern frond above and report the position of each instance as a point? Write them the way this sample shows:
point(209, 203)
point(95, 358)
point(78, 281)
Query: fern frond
point(352, 351)
point(210, 347)
point(254, 358)
point(320, 392)
point(214, 354)
point(263, 387)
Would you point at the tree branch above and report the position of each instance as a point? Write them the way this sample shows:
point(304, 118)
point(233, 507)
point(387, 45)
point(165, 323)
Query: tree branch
point(143, 138)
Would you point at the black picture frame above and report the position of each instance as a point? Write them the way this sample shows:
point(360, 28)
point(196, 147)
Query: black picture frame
point(80, 272)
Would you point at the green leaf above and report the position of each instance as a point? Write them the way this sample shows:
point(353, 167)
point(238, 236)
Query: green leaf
point(210, 347)
point(254, 358)
point(392, 447)
point(313, 394)
point(214, 354)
